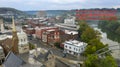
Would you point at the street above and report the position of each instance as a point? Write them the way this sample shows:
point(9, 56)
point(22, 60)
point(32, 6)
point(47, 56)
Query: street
point(56, 51)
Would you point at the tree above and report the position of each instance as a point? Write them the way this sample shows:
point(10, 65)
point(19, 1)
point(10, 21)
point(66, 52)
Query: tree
point(118, 30)
point(31, 46)
point(91, 61)
point(90, 50)
point(95, 61)
point(88, 35)
point(82, 28)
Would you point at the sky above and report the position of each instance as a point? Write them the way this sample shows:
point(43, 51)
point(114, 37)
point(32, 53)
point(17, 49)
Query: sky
point(26, 5)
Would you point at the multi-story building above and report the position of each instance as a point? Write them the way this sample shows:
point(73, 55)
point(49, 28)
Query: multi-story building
point(29, 31)
point(39, 31)
point(74, 47)
point(96, 14)
point(70, 20)
point(50, 36)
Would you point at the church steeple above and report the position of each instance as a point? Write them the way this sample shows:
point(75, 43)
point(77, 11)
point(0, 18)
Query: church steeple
point(14, 38)
point(13, 25)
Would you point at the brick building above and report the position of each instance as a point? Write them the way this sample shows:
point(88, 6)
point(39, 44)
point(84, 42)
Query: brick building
point(96, 14)
point(29, 31)
point(48, 34)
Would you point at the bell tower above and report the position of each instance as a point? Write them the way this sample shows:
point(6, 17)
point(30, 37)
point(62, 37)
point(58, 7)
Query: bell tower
point(14, 38)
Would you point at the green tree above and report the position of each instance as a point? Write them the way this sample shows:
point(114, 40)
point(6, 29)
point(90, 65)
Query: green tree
point(82, 28)
point(95, 61)
point(31, 46)
point(88, 35)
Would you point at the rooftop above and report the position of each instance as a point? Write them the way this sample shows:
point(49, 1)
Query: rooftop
point(44, 28)
point(0, 47)
point(75, 42)
point(3, 37)
point(71, 32)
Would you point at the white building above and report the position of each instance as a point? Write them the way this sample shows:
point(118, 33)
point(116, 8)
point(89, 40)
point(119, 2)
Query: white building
point(74, 47)
point(2, 55)
point(71, 32)
point(70, 20)
point(23, 42)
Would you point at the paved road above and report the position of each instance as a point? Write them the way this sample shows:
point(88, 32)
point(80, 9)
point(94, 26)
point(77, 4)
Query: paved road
point(56, 51)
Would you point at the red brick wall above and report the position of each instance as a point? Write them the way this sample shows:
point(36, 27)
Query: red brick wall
point(96, 14)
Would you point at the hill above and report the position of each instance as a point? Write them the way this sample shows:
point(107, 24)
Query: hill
point(49, 12)
point(12, 11)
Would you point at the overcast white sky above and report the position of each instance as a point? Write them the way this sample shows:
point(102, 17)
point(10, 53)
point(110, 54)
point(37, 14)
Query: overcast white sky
point(59, 4)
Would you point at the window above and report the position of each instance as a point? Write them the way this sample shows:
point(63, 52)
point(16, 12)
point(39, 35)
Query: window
point(76, 49)
point(66, 46)
point(81, 48)
point(24, 39)
point(69, 47)
point(21, 40)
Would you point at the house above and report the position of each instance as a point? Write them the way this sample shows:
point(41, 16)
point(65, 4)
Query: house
point(74, 47)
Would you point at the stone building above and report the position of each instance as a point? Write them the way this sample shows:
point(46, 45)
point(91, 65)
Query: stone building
point(14, 45)
point(17, 42)
point(23, 45)
point(1, 26)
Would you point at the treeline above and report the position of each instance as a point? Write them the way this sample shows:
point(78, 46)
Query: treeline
point(92, 37)
point(112, 28)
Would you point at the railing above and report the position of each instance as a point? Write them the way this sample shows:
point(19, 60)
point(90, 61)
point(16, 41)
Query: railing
point(107, 49)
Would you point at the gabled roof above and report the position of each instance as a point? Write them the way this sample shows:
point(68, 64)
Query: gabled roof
point(43, 57)
point(12, 60)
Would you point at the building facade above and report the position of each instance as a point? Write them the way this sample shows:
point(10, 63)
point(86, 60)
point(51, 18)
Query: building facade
point(1, 26)
point(50, 36)
point(23, 45)
point(39, 31)
point(74, 47)
point(70, 20)
point(96, 14)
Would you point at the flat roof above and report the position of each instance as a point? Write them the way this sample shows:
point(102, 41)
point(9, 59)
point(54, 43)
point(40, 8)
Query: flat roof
point(45, 28)
point(75, 42)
